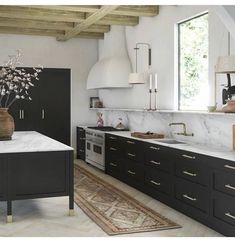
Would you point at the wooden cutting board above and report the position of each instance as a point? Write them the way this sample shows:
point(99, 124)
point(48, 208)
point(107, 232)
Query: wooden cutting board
point(147, 135)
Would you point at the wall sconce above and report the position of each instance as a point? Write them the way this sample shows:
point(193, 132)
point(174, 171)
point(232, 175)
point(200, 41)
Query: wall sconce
point(138, 78)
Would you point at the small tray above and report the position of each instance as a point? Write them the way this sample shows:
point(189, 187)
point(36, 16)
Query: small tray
point(147, 135)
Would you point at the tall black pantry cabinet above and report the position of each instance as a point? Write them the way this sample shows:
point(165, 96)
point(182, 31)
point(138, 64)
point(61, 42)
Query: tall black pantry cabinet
point(49, 111)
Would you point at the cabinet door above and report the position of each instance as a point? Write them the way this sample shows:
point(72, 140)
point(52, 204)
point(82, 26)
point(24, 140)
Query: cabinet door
point(54, 107)
point(37, 174)
point(2, 178)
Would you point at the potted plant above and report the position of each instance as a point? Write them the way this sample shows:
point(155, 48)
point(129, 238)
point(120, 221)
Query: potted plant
point(14, 85)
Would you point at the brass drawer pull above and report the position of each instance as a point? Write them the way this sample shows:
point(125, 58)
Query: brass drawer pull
point(229, 186)
point(113, 138)
point(154, 162)
point(154, 148)
point(229, 166)
point(113, 164)
point(132, 173)
point(155, 183)
point(130, 142)
point(131, 155)
point(113, 149)
point(190, 198)
point(188, 156)
point(229, 215)
point(190, 174)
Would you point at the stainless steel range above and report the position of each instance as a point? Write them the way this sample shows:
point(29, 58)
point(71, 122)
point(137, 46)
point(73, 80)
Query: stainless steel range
point(95, 145)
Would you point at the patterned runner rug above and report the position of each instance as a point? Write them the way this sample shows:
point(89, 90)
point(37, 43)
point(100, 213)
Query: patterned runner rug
point(113, 210)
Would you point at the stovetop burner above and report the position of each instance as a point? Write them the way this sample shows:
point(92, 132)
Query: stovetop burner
point(107, 129)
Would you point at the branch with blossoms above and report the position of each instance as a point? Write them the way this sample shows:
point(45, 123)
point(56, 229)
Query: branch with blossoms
point(14, 82)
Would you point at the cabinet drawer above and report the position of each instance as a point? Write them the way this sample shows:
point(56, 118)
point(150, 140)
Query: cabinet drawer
point(192, 171)
point(158, 158)
point(224, 209)
point(158, 181)
point(114, 164)
point(134, 150)
point(113, 141)
point(134, 170)
point(193, 195)
point(224, 182)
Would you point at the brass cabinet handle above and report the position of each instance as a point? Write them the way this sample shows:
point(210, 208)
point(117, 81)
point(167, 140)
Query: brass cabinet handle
point(113, 138)
point(154, 162)
point(132, 173)
point(190, 174)
point(131, 155)
point(188, 156)
point(113, 164)
point(229, 186)
point(113, 149)
point(155, 183)
point(154, 148)
point(229, 166)
point(22, 114)
point(229, 215)
point(130, 142)
point(190, 198)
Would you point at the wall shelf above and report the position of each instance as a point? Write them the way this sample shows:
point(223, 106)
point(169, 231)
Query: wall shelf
point(162, 111)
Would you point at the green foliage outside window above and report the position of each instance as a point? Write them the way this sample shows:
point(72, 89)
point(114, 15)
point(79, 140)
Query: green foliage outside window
point(193, 63)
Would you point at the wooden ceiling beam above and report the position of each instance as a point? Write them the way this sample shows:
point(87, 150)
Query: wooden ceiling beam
point(47, 32)
point(127, 10)
point(35, 24)
point(62, 16)
point(99, 14)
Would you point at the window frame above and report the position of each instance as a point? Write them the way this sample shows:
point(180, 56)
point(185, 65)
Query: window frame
point(179, 52)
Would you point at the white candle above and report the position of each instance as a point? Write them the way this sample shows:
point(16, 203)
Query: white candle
point(155, 81)
point(150, 81)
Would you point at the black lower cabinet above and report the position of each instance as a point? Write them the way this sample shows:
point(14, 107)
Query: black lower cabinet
point(199, 186)
point(36, 175)
point(81, 143)
point(3, 182)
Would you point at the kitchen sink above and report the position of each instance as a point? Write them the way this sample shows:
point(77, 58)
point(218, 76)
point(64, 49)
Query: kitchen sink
point(170, 141)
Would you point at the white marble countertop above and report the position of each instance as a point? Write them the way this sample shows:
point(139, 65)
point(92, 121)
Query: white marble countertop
point(30, 141)
point(191, 147)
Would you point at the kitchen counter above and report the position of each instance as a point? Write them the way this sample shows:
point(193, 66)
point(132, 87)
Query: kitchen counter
point(30, 141)
point(191, 147)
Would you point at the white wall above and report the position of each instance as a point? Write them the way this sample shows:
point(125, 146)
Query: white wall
point(77, 54)
point(158, 31)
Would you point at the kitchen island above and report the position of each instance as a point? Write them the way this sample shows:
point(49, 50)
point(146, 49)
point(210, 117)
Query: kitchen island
point(35, 166)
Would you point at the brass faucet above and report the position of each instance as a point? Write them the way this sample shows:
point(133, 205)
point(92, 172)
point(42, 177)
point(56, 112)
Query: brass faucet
point(184, 133)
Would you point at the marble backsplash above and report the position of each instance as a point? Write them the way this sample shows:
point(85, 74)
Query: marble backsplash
point(210, 130)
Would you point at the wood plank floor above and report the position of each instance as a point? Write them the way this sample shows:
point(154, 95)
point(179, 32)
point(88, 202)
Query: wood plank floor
point(48, 217)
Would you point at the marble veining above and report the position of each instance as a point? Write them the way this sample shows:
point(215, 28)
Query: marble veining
point(30, 141)
point(211, 130)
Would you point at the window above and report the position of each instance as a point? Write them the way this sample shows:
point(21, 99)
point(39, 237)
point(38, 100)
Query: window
point(193, 63)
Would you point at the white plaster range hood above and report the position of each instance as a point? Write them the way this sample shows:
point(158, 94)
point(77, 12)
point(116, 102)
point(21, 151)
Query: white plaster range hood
point(114, 66)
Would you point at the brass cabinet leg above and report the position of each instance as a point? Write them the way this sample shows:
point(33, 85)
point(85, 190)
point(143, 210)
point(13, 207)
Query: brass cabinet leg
point(71, 212)
point(9, 219)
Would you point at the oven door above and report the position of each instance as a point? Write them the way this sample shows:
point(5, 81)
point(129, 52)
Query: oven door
point(95, 154)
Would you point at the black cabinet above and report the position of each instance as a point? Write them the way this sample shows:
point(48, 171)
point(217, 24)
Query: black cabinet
point(33, 175)
point(49, 110)
point(200, 186)
point(81, 143)
point(3, 178)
